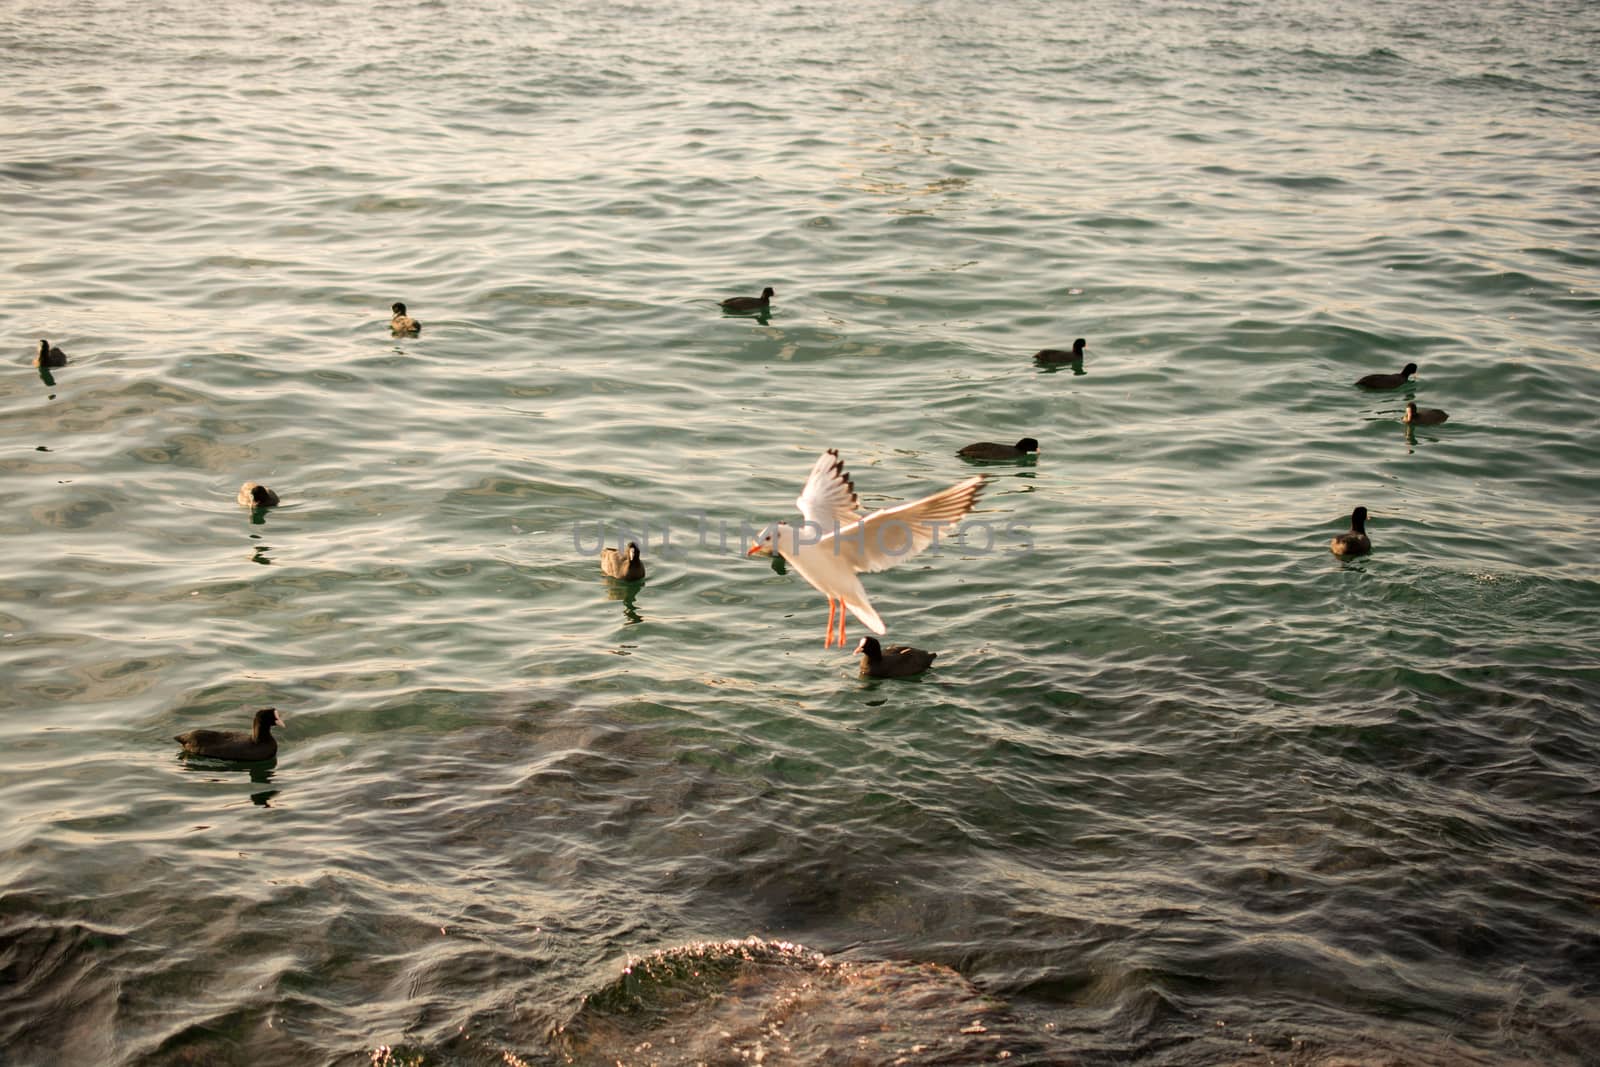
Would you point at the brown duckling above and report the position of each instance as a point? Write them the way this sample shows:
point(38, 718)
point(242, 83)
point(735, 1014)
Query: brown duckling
point(49, 355)
point(1424, 416)
point(256, 495)
point(624, 565)
point(401, 322)
point(258, 744)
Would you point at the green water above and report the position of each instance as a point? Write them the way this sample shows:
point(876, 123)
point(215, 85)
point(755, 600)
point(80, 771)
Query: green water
point(1182, 787)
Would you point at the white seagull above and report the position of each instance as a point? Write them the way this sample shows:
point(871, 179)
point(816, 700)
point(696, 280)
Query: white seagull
point(834, 543)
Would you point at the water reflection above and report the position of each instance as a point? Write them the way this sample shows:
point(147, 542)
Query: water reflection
point(261, 772)
point(259, 555)
point(626, 592)
point(258, 516)
point(1076, 367)
point(1029, 459)
point(1411, 436)
point(48, 378)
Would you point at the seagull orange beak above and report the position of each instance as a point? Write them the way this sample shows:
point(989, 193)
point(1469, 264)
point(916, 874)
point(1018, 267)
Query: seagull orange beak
point(757, 548)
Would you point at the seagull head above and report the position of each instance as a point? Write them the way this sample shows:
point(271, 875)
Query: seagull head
point(767, 543)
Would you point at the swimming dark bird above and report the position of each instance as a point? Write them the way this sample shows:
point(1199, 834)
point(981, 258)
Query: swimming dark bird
point(256, 495)
point(990, 450)
point(1355, 541)
point(49, 355)
point(258, 744)
point(1057, 355)
point(624, 565)
point(1387, 381)
point(896, 661)
point(750, 303)
point(403, 323)
point(1424, 416)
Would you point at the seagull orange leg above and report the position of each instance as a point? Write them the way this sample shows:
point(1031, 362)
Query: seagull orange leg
point(841, 623)
point(827, 639)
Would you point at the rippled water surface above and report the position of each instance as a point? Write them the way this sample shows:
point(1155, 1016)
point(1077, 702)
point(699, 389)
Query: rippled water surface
point(1182, 788)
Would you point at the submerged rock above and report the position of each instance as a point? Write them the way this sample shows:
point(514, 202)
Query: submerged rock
point(774, 1002)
